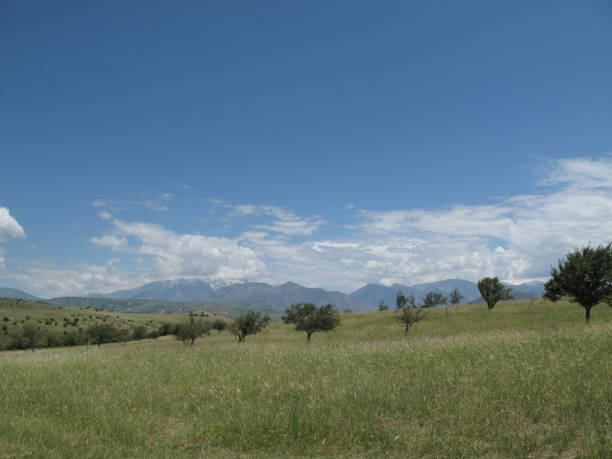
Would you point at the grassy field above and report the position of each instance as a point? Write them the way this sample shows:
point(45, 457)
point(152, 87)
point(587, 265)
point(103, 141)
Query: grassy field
point(529, 378)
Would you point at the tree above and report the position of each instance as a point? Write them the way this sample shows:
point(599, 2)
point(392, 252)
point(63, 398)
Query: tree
point(250, 323)
point(307, 317)
point(139, 332)
point(410, 315)
point(492, 290)
point(585, 275)
point(433, 299)
point(102, 333)
point(189, 332)
point(382, 306)
point(454, 298)
point(29, 338)
point(219, 325)
point(402, 301)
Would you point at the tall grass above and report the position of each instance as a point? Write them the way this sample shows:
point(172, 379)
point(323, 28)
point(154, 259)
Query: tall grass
point(526, 379)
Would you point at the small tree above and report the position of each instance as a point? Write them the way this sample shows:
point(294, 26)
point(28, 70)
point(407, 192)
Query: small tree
point(492, 290)
point(382, 306)
point(189, 332)
point(410, 315)
point(219, 325)
point(139, 332)
point(585, 275)
point(250, 323)
point(454, 298)
point(433, 299)
point(101, 333)
point(307, 317)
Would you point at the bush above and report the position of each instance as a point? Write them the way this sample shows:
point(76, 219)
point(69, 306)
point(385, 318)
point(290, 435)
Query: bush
point(250, 323)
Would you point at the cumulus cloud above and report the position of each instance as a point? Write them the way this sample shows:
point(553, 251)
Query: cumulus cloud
point(52, 280)
point(171, 255)
point(9, 227)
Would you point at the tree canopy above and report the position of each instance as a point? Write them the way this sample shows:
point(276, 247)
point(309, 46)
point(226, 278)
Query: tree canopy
point(433, 299)
point(250, 323)
point(189, 332)
point(307, 317)
point(493, 291)
point(585, 275)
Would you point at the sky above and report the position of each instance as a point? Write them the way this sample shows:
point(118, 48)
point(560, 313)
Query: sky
point(329, 143)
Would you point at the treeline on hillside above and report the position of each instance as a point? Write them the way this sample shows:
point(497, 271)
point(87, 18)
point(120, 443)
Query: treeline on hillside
point(34, 336)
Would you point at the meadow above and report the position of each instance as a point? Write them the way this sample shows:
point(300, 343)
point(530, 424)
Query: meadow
point(529, 378)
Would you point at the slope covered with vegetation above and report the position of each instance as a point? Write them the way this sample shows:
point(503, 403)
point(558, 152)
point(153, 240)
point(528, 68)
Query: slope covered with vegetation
point(528, 378)
point(70, 324)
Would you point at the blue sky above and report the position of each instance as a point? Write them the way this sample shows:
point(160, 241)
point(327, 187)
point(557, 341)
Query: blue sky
point(327, 143)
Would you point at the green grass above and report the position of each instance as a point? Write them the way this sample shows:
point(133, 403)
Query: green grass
point(526, 379)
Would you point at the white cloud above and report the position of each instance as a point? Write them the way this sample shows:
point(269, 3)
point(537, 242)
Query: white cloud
point(51, 280)
point(516, 238)
point(9, 227)
point(283, 221)
point(171, 255)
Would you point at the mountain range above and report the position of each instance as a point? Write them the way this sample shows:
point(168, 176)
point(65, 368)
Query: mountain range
point(6, 292)
point(281, 296)
point(247, 293)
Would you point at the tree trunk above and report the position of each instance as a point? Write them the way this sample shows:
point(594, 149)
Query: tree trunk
point(308, 336)
point(588, 313)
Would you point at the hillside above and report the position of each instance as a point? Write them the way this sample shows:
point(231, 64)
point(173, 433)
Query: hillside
point(6, 292)
point(162, 307)
point(526, 379)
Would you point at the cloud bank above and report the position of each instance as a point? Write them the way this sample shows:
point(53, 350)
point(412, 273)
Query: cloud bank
point(516, 238)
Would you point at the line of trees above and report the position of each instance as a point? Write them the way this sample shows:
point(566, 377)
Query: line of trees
point(584, 276)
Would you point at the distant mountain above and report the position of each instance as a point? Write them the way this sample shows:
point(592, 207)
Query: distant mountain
point(6, 292)
point(372, 293)
point(262, 295)
point(170, 290)
point(246, 293)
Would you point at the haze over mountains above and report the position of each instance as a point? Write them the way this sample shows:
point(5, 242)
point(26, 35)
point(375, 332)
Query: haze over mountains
point(282, 296)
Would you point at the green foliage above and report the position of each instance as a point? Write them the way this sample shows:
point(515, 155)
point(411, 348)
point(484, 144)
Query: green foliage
point(455, 297)
point(139, 332)
point(382, 306)
point(102, 333)
point(409, 316)
point(219, 325)
point(307, 317)
point(30, 337)
point(585, 275)
point(189, 332)
point(433, 299)
point(402, 301)
point(493, 291)
point(250, 323)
